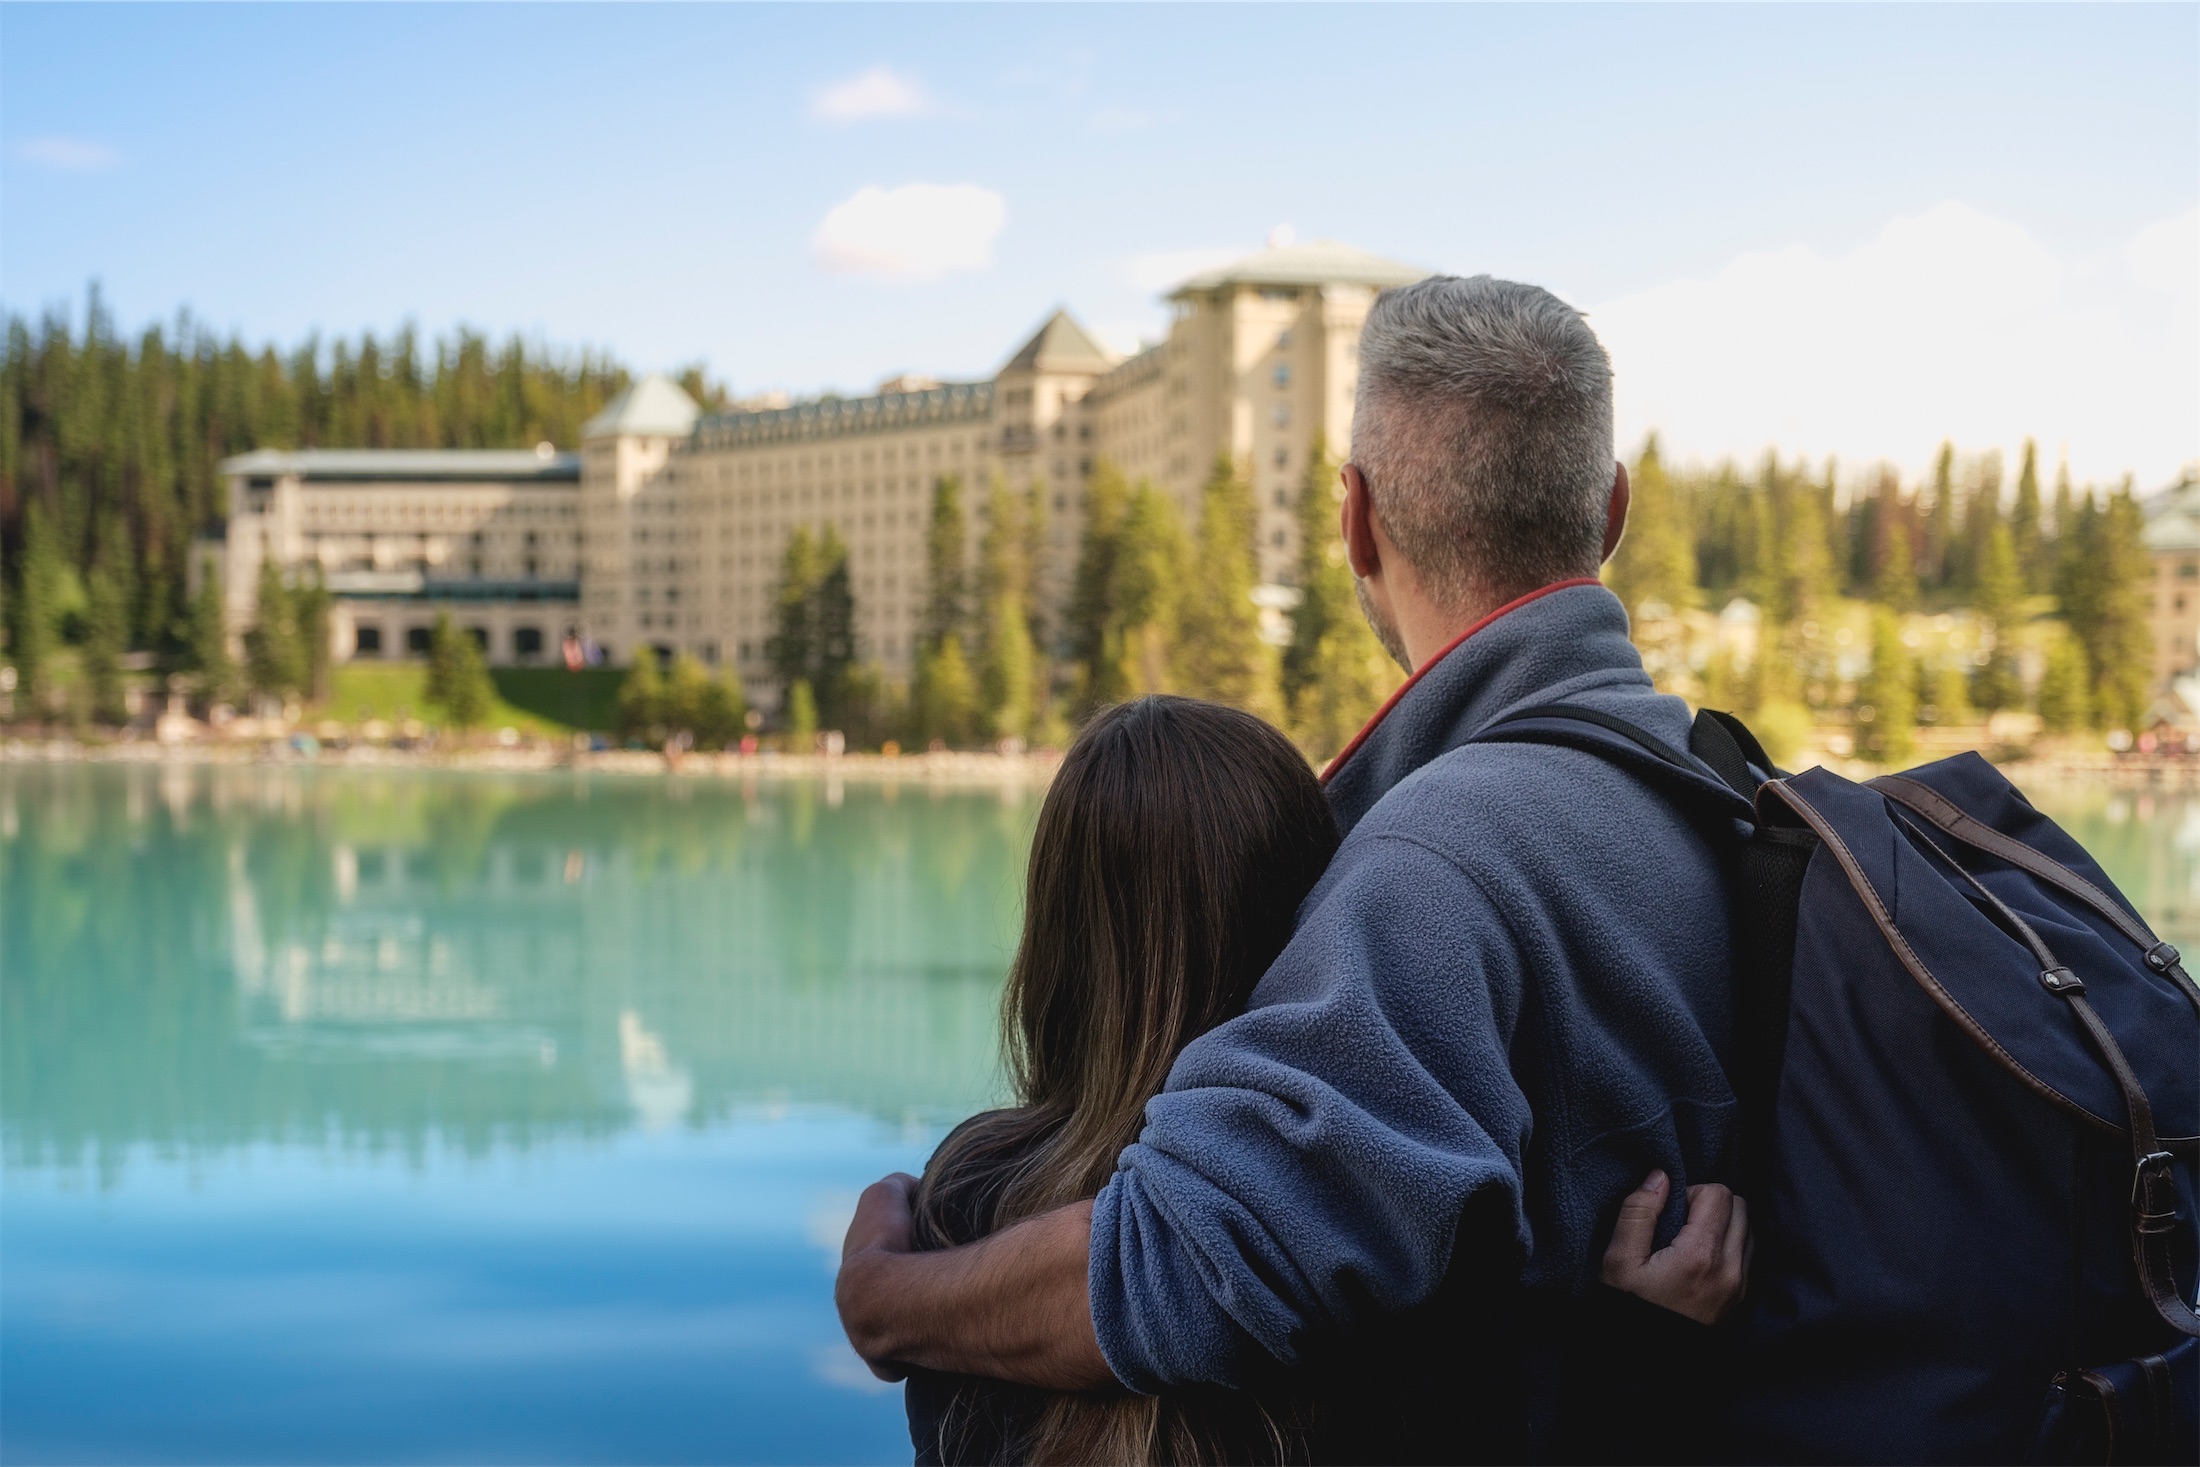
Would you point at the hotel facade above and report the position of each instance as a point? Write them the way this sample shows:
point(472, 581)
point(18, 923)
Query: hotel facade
point(666, 529)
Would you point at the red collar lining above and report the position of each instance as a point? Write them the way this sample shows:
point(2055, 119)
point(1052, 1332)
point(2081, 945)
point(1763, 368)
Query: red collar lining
point(1418, 673)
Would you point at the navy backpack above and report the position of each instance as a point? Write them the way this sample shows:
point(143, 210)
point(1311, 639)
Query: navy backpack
point(1969, 1079)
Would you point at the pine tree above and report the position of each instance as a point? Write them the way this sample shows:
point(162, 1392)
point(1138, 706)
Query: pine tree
point(1895, 587)
point(1981, 512)
point(1010, 681)
point(686, 691)
point(1336, 672)
point(721, 708)
point(1091, 631)
point(1320, 494)
point(1940, 521)
point(800, 716)
point(944, 695)
point(2066, 703)
point(1149, 579)
point(1219, 650)
point(208, 645)
point(2025, 528)
point(1656, 559)
point(1946, 697)
point(2057, 538)
point(106, 636)
point(458, 678)
point(833, 624)
point(641, 705)
point(1007, 683)
point(272, 651)
point(1886, 702)
point(2107, 608)
point(310, 603)
point(946, 569)
point(37, 625)
point(2102, 592)
point(1998, 599)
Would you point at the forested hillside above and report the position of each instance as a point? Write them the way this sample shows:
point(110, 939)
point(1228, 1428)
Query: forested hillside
point(110, 445)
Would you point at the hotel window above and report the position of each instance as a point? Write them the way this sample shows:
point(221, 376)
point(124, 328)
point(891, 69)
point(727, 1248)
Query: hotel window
point(367, 642)
point(1282, 415)
point(417, 639)
point(1283, 374)
point(527, 641)
point(1283, 458)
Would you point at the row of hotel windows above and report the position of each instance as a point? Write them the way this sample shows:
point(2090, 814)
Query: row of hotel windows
point(367, 641)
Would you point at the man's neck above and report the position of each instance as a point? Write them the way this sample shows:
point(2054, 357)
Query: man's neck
point(1428, 630)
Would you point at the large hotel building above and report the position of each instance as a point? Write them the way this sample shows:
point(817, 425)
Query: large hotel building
point(666, 529)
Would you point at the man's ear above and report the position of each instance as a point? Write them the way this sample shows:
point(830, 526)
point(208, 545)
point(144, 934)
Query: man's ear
point(1357, 516)
point(1615, 513)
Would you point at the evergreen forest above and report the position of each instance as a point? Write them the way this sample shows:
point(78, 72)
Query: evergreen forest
point(1803, 598)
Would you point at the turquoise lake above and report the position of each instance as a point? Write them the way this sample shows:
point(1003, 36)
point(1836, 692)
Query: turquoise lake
point(365, 1116)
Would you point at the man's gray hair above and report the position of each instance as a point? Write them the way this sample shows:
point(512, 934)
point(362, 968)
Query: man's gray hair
point(1483, 426)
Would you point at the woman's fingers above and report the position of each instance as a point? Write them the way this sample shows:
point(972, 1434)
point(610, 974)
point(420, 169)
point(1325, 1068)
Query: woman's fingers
point(1710, 1210)
point(1734, 1254)
point(1634, 1237)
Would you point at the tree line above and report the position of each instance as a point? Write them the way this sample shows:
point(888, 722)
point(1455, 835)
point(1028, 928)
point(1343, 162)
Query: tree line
point(110, 447)
point(2066, 575)
point(109, 454)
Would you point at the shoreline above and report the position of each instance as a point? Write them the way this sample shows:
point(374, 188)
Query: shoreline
point(945, 768)
point(982, 769)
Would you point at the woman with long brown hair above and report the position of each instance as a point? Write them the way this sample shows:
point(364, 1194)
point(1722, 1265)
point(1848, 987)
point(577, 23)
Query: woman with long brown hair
point(1171, 854)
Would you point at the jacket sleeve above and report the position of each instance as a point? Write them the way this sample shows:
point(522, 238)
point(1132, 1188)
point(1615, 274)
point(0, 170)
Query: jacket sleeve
point(1308, 1165)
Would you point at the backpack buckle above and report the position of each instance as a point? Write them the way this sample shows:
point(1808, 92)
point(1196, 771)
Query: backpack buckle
point(2061, 980)
point(2162, 957)
point(2151, 1168)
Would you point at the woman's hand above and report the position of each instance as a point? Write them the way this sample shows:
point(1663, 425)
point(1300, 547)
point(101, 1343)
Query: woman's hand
point(1703, 1272)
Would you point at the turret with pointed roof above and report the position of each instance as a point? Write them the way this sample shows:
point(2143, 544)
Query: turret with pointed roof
point(1061, 345)
point(654, 407)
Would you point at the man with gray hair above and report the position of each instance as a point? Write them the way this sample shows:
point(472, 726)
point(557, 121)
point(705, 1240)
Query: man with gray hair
point(1506, 1001)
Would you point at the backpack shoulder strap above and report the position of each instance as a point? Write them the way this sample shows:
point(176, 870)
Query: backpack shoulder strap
point(1696, 783)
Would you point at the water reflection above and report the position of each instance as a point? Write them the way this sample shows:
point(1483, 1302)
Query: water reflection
point(205, 957)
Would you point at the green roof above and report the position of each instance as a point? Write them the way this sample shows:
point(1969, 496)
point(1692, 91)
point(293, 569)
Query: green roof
point(654, 407)
point(2173, 517)
point(1317, 262)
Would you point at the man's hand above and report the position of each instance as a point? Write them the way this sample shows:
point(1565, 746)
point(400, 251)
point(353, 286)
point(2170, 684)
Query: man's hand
point(1703, 1272)
point(881, 1225)
point(1013, 1306)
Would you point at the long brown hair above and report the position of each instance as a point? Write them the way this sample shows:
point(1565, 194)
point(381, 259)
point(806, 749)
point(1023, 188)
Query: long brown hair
point(1173, 849)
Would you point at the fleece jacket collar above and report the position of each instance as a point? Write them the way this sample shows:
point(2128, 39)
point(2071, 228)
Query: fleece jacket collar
point(1571, 633)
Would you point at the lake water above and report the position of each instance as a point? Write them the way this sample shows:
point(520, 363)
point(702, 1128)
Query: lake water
point(375, 1116)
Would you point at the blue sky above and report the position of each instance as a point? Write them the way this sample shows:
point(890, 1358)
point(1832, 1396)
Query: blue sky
point(688, 182)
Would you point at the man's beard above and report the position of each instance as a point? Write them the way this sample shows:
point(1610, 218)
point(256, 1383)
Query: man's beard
point(1386, 632)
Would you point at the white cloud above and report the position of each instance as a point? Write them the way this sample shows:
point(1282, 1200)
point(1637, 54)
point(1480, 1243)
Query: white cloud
point(1159, 270)
point(70, 155)
point(2166, 257)
point(1948, 324)
point(919, 231)
point(877, 92)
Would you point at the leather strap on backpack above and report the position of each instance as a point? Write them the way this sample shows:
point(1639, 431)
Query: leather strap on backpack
point(2153, 1185)
point(1953, 820)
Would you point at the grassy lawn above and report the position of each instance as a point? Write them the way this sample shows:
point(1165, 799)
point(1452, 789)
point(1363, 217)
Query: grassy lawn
point(546, 701)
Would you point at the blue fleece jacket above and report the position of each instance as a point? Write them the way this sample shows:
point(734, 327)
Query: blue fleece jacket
point(1510, 989)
